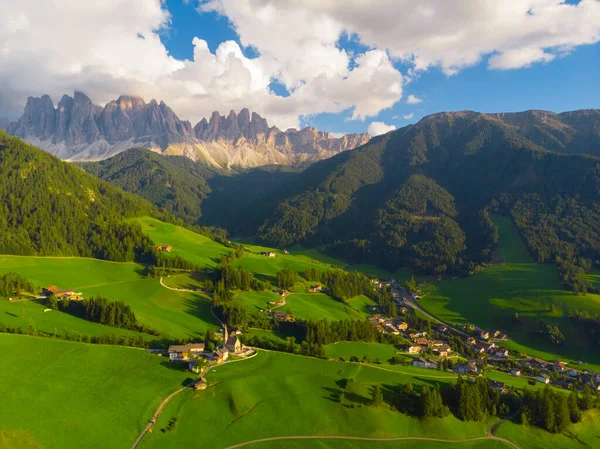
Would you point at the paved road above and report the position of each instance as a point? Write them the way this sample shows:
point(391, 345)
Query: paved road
point(412, 303)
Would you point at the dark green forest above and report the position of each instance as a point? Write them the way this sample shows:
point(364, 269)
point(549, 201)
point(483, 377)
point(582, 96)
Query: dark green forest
point(50, 207)
point(423, 197)
point(175, 184)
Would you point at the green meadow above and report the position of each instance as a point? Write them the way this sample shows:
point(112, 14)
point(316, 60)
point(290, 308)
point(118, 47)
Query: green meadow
point(519, 286)
point(175, 314)
point(187, 244)
point(373, 351)
point(583, 435)
point(58, 394)
point(278, 394)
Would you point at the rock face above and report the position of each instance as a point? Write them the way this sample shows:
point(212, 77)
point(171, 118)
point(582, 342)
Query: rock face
point(79, 130)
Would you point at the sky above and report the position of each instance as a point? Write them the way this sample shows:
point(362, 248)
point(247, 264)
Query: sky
point(341, 66)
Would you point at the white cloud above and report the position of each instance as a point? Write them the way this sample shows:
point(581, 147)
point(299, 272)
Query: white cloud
point(411, 99)
point(113, 47)
point(378, 128)
point(454, 34)
point(408, 116)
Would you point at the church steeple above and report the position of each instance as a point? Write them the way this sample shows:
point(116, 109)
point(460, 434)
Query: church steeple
point(225, 335)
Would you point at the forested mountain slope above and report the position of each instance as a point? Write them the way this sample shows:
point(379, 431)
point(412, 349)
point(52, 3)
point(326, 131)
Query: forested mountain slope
point(423, 195)
point(50, 207)
point(174, 183)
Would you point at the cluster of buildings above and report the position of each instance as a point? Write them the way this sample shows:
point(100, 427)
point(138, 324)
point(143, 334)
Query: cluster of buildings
point(490, 334)
point(388, 325)
point(423, 345)
point(166, 248)
point(562, 375)
point(195, 353)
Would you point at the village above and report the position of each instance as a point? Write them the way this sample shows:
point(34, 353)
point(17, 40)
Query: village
point(480, 349)
point(199, 359)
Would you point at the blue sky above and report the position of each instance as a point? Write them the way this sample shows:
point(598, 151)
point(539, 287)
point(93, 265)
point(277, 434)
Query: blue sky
point(566, 83)
point(339, 66)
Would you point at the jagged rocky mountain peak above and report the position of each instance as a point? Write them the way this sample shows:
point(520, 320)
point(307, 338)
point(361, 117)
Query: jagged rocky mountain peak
point(76, 129)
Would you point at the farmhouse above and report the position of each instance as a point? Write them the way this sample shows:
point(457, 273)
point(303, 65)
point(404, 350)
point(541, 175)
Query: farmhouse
point(415, 349)
point(166, 248)
point(543, 378)
point(442, 350)
point(425, 363)
point(283, 316)
point(200, 384)
point(183, 352)
point(467, 368)
point(560, 366)
point(501, 353)
point(515, 372)
point(278, 302)
point(268, 254)
point(390, 328)
point(220, 355)
point(49, 291)
point(315, 288)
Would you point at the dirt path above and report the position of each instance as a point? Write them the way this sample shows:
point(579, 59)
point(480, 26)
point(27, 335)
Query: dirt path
point(335, 437)
point(163, 404)
point(155, 417)
point(176, 289)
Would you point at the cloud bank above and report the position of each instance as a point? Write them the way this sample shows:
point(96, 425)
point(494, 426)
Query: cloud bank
point(113, 47)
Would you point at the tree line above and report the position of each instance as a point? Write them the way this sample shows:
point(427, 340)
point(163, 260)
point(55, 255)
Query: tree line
point(101, 310)
point(12, 284)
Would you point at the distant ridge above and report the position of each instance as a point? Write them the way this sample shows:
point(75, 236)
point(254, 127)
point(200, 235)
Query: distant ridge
point(79, 130)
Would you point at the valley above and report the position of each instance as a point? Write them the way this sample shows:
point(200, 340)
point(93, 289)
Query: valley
point(334, 342)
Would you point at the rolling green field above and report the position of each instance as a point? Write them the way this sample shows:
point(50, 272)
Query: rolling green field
point(531, 290)
point(187, 244)
point(59, 394)
point(583, 435)
point(175, 314)
point(278, 394)
point(373, 351)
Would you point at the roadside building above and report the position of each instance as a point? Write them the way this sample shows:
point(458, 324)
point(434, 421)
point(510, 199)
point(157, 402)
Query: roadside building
point(425, 363)
point(543, 378)
point(179, 353)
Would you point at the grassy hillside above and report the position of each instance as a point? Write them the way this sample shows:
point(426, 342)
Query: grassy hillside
point(175, 314)
point(519, 286)
point(583, 435)
point(58, 394)
point(277, 394)
point(373, 351)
